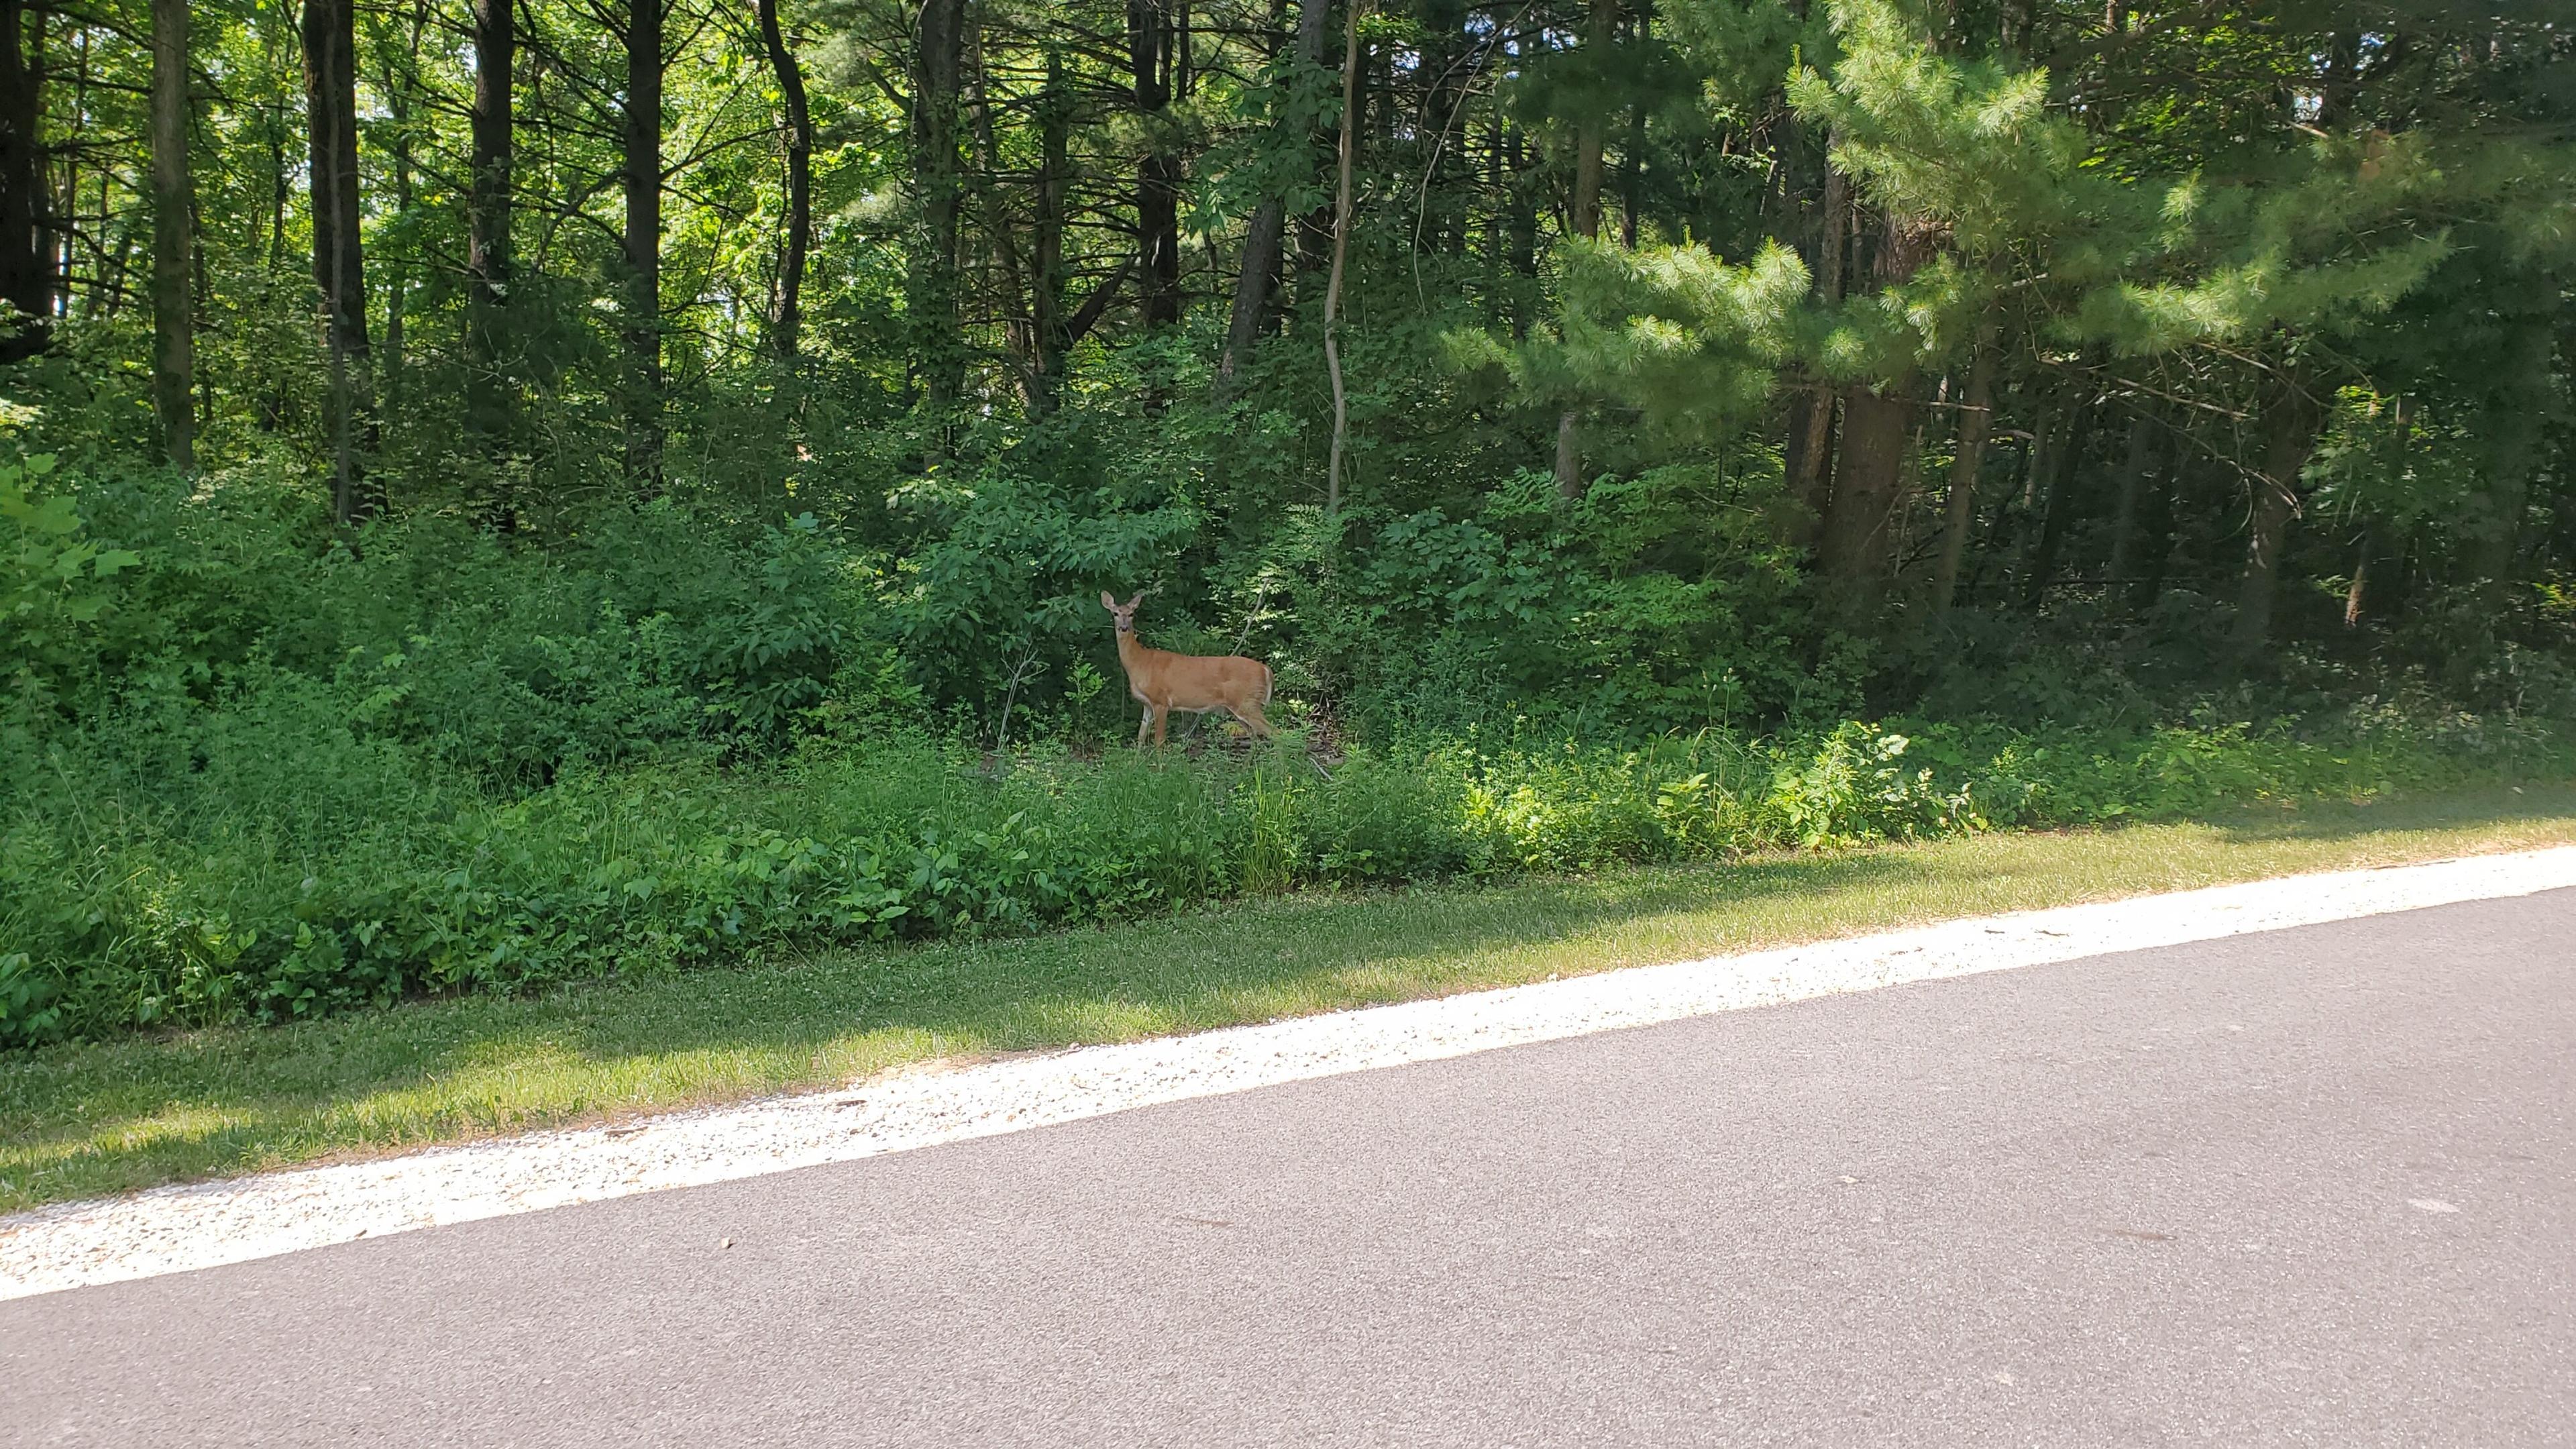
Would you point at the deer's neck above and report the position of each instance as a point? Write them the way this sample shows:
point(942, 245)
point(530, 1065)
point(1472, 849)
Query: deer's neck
point(1131, 649)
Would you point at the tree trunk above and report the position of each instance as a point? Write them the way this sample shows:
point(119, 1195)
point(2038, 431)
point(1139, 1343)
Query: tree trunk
point(2376, 566)
point(1047, 280)
point(1341, 245)
point(487, 208)
point(174, 344)
point(1049, 333)
point(1810, 452)
point(797, 129)
point(1313, 254)
point(1583, 207)
point(108, 297)
point(1263, 242)
point(1808, 460)
point(199, 288)
point(1150, 56)
point(2290, 421)
point(1870, 459)
point(1446, 74)
point(2036, 460)
point(2510, 433)
point(1254, 285)
point(2155, 526)
point(1867, 463)
point(1959, 513)
point(402, 105)
point(2356, 595)
point(1495, 185)
point(1583, 214)
point(643, 168)
point(1520, 230)
point(26, 229)
point(2145, 433)
point(2058, 511)
point(1019, 345)
point(2014, 21)
point(331, 113)
point(273, 405)
point(339, 265)
point(277, 189)
point(1632, 177)
point(397, 286)
point(2390, 574)
point(930, 290)
point(56, 239)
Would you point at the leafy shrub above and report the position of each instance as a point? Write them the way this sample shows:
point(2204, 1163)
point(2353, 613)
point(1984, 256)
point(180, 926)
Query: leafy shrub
point(651, 628)
point(1532, 608)
point(1857, 785)
point(56, 580)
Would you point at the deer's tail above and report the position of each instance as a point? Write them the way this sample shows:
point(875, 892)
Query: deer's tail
point(1269, 678)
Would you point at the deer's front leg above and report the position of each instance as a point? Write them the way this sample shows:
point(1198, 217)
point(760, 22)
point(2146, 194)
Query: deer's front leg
point(1143, 725)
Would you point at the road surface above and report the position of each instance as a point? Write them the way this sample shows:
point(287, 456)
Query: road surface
point(2306, 1187)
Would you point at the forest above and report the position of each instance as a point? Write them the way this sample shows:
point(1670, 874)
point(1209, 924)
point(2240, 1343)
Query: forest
point(494, 492)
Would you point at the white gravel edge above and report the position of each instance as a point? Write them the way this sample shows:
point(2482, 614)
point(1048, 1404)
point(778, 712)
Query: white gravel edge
point(170, 1230)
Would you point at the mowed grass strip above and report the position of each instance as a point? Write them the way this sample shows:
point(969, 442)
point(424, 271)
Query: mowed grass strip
point(85, 1121)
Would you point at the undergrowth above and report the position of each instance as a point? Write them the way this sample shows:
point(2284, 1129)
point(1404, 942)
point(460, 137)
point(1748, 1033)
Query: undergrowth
point(271, 862)
point(251, 770)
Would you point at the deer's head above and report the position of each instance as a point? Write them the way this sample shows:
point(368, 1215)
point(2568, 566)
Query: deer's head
point(1124, 614)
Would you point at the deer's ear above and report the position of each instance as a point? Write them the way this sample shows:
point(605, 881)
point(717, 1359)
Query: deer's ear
point(1140, 598)
point(1108, 601)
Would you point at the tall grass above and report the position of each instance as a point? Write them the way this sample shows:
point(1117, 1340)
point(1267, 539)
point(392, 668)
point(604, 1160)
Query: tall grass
point(264, 860)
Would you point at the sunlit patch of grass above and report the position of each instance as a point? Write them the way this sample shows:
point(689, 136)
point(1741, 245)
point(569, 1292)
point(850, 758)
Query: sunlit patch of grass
point(110, 1117)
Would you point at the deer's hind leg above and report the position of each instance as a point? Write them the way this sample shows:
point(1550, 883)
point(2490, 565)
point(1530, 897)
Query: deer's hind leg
point(1250, 714)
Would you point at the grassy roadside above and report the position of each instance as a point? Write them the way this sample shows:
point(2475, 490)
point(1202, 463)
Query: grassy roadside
point(82, 1121)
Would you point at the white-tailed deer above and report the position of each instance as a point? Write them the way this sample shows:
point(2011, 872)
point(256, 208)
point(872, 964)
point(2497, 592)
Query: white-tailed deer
point(1163, 681)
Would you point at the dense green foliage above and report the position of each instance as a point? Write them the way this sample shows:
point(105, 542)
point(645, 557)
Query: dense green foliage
point(658, 514)
point(244, 780)
point(257, 887)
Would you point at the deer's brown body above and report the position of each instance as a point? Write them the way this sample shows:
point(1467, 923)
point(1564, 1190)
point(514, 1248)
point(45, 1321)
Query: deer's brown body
point(1163, 681)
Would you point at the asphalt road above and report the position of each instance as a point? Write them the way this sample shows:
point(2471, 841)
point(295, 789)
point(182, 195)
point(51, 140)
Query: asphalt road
point(2311, 1187)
